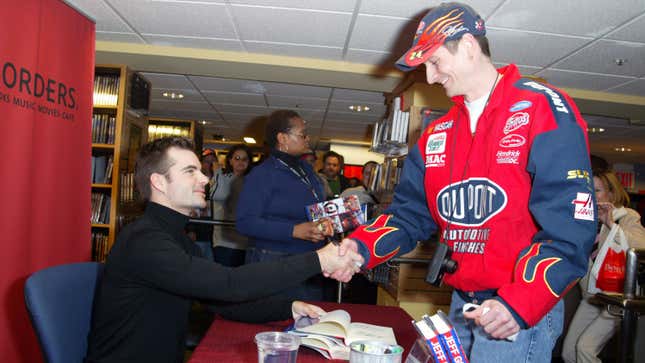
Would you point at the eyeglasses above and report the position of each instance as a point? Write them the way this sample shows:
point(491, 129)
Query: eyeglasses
point(303, 135)
point(237, 157)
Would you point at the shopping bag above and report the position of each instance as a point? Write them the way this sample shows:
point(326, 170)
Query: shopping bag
point(608, 271)
point(611, 276)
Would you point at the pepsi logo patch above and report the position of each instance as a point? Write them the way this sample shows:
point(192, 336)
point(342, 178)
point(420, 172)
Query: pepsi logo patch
point(516, 121)
point(521, 105)
point(512, 140)
point(471, 202)
point(436, 143)
point(583, 207)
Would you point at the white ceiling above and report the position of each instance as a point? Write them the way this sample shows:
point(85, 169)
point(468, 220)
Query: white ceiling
point(573, 44)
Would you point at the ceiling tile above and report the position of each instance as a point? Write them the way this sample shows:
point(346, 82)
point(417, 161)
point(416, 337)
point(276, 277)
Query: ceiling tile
point(194, 42)
point(168, 81)
point(379, 33)
point(118, 37)
point(353, 117)
point(356, 95)
point(227, 84)
point(295, 50)
point(588, 81)
point(636, 88)
point(249, 110)
point(286, 89)
point(418, 8)
point(600, 58)
point(106, 19)
point(505, 43)
point(196, 19)
point(329, 5)
point(181, 106)
point(297, 102)
point(292, 26)
point(250, 99)
point(370, 57)
point(555, 16)
point(634, 31)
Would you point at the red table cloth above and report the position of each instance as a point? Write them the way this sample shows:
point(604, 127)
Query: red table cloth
point(230, 341)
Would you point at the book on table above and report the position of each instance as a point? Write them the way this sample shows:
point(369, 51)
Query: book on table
point(332, 334)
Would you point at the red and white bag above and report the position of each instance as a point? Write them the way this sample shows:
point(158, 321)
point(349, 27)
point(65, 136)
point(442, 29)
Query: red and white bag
point(608, 270)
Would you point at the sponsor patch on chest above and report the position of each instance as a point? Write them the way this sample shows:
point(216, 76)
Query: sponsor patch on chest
point(583, 207)
point(516, 121)
point(508, 157)
point(471, 202)
point(435, 160)
point(436, 143)
point(512, 140)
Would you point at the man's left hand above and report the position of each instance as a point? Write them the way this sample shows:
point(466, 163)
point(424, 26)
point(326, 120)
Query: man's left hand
point(497, 321)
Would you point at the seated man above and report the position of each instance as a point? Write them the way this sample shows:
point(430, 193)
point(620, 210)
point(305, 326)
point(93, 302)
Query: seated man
point(154, 270)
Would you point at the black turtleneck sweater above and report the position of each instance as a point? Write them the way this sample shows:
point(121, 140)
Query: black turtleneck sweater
point(153, 273)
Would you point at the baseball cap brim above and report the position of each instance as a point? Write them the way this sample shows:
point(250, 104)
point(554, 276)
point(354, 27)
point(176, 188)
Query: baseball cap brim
point(416, 56)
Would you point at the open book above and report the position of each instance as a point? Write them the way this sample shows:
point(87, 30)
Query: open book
point(334, 332)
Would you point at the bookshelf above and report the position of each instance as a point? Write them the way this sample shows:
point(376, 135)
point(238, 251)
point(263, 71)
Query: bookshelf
point(161, 127)
point(107, 117)
point(409, 102)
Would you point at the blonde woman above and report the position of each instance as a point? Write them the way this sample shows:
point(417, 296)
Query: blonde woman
point(592, 326)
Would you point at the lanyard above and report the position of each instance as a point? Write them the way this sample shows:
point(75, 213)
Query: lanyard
point(302, 175)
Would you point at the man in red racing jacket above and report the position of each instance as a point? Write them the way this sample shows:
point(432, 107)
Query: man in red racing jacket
point(504, 177)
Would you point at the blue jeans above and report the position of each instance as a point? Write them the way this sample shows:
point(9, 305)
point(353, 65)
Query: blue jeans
point(532, 345)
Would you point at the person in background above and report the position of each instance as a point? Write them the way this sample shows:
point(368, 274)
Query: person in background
point(154, 270)
point(501, 177)
point(310, 157)
point(332, 165)
point(592, 326)
point(271, 208)
point(209, 162)
point(362, 191)
point(229, 247)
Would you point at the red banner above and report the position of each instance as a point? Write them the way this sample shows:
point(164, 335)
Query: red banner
point(46, 77)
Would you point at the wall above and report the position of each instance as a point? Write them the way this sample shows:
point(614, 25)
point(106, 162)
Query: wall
point(355, 154)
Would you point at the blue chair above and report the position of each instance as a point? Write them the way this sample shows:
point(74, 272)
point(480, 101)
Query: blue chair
point(59, 300)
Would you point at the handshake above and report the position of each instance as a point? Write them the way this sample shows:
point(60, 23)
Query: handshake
point(340, 262)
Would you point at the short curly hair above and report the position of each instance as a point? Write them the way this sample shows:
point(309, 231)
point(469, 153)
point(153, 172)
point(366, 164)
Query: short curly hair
point(278, 121)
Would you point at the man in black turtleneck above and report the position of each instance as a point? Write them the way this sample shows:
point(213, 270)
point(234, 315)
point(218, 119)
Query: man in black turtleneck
point(154, 270)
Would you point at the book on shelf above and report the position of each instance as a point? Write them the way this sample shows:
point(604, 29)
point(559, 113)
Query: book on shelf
point(99, 246)
point(103, 128)
point(337, 215)
point(441, 338)
point(106, 90)
point(334, 331)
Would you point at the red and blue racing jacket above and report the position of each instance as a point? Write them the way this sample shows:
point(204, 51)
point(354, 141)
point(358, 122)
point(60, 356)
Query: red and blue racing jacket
point(514, 201)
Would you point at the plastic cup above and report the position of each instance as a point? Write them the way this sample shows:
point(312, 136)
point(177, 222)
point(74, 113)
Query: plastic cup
point(366, 351)
point(277, 347)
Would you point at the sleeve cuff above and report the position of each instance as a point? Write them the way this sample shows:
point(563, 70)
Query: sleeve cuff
point(518, 318)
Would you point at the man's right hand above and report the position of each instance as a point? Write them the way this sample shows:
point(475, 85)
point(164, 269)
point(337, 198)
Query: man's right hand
point(347, 246)
point(341, 268)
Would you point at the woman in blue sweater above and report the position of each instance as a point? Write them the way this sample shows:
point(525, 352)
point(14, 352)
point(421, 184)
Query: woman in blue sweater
point(271, 206)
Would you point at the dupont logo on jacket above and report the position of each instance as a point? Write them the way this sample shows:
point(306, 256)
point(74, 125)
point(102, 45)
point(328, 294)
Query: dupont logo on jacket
point(471, 202)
